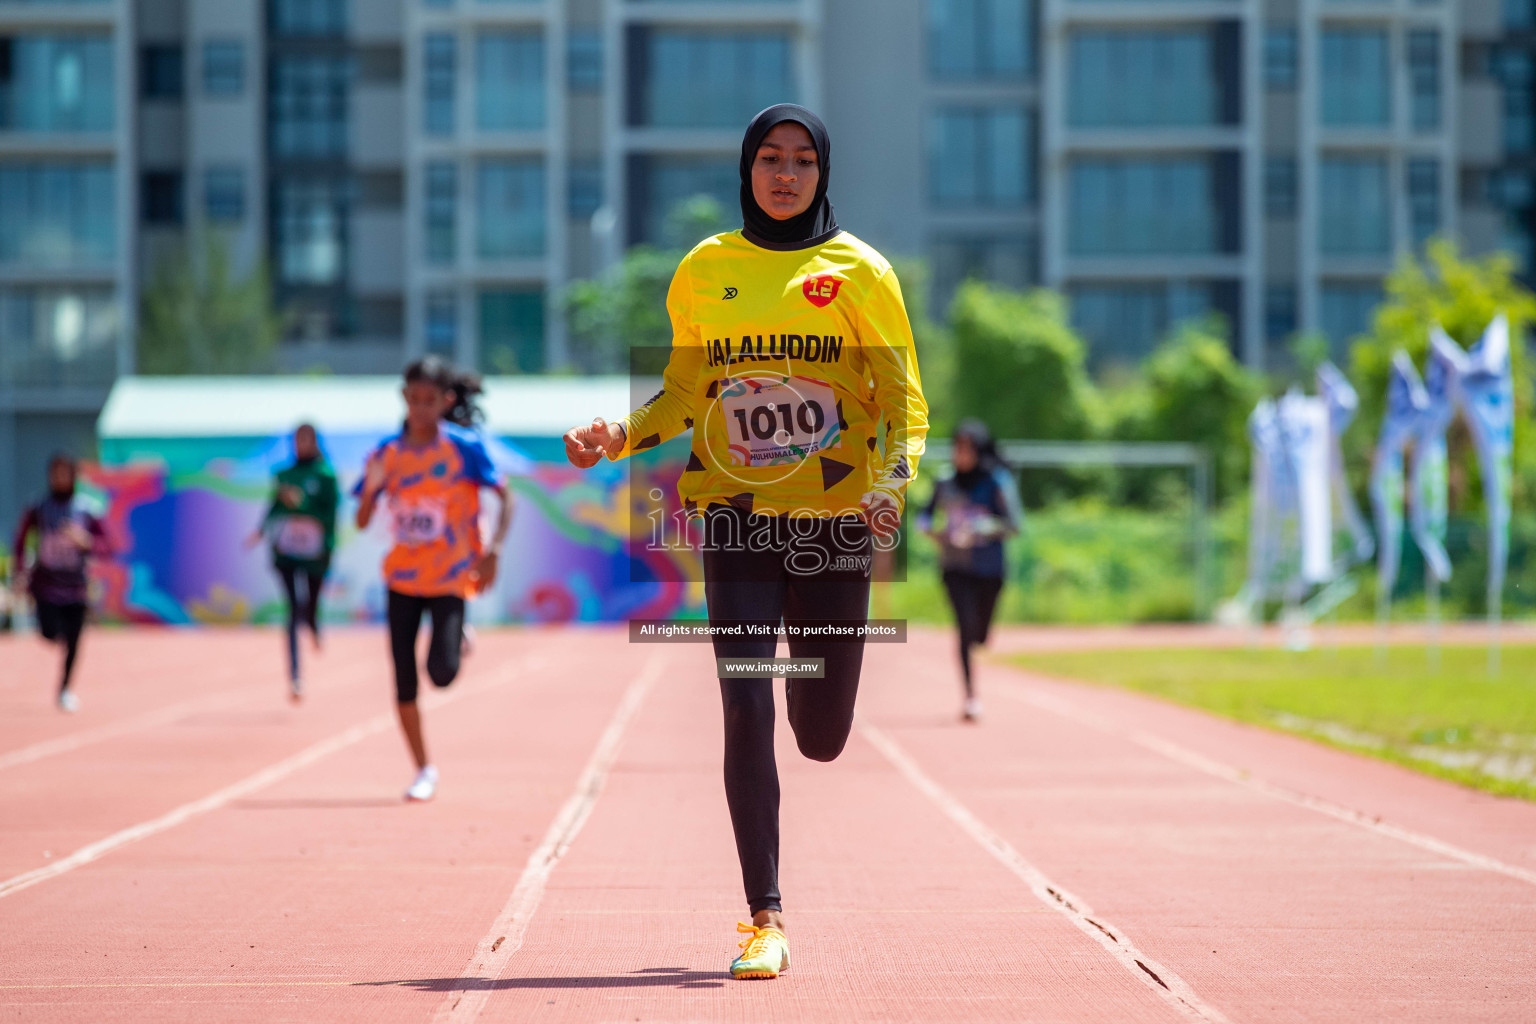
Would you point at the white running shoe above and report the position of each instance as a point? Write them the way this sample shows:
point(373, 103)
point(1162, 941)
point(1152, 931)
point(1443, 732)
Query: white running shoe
point(972, 710)
point(425, 786)
point(467, 641)
point(295, 690)
point(69, 702)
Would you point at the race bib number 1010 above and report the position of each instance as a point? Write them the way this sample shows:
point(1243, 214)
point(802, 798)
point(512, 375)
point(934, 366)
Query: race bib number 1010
point(774, 422)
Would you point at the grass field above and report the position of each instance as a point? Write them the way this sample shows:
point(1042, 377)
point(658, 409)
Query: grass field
point(1456, 722)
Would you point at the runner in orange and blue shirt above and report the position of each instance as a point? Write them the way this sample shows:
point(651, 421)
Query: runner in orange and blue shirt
point(432, 473)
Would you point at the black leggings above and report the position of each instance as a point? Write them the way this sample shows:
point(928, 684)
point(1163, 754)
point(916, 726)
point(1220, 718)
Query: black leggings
point(62, 624)
point(443, 651)
point(303, 608)
point(765, 587)
point(974, 599)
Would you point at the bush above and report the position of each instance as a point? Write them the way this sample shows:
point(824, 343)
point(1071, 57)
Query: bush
point(1023, 366)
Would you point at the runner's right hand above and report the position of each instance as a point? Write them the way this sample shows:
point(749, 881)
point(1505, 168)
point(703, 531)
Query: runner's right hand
point(374, 477)
point(586, 446)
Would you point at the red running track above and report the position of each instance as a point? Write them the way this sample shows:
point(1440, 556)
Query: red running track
point(190, 848)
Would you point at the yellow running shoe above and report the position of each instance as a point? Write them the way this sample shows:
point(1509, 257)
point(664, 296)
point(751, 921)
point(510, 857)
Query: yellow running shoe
point(764, 955)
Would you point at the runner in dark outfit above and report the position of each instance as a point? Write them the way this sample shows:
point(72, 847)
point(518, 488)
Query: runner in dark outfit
point(803, 446)
point(301, 523)
point(67, 535)
point(979, 507)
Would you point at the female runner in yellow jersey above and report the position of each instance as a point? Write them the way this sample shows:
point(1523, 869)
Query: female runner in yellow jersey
point(792, 360)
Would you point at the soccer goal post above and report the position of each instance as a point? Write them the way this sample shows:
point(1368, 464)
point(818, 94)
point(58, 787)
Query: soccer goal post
point(1194, 458)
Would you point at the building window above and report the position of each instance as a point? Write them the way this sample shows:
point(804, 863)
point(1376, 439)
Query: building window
point(1280, 187)
point(979, 157)
point(56, 83)
point(311, 231)
point(223, 67)
point(1176, 206)
point(440, 60)
point(58, 336)
point(584, 190)
point(1282, 59)
point(511, 331)
point(584, 61)
point(1006, 261)
point(309, 19)
point(1346, 310)
point(57, 214)
point(309, 106)
point(1513, 192)
point(509, 81)
point(1513, 68)
point(1137, 78)
point(1354, 207)
point(1424, 78)
point(442, 211)
point(162, 197)
point(701, 79)
point(981, 39)
point(1280, 313)
point(509, 209)
point(1356, 78)
point(224, 194)
point(442, 326)
point(660, 186)
point(1423, 199)
point(1124, 322)
point(161, 72)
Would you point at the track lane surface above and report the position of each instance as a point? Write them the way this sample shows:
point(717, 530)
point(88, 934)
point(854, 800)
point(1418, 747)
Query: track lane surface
point(322, 897)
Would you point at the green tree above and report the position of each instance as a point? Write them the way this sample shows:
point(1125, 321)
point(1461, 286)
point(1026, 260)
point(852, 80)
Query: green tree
point(935, 347)
point(1020, 368)
point(1191, 388)
point(1462, 295)
point(625, 309)
point(198, 317)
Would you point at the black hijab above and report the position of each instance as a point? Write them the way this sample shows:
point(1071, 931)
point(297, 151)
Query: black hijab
point(818, 223)
point(987, 461)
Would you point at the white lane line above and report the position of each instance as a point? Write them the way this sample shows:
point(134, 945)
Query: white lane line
point(148, 720)
point(1192, 759)
point(211, 802)
point(494, 951)
point(1160, 979)
point(245, 787)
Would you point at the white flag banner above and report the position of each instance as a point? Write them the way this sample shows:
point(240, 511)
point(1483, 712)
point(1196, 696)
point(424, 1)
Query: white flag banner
point(1406, 402)
point(1265, 514)
point(1342, 402)
point(1488, 397)
point(1304, 429)
point(1429, 476)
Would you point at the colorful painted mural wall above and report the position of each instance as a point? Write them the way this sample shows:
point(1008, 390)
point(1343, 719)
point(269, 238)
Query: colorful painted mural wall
point(179, 511)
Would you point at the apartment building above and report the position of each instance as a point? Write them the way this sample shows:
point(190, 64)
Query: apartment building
point(431, 175)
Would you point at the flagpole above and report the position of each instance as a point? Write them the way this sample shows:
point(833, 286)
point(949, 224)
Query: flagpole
point(1432, 611)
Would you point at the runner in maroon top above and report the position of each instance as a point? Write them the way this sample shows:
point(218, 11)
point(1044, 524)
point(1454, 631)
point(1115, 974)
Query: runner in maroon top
point(67, 535)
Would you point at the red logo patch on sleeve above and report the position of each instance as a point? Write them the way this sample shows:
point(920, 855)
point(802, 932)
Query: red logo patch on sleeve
point(821, 289)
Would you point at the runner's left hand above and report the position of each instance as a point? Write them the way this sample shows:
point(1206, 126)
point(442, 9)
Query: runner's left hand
point(880, 512)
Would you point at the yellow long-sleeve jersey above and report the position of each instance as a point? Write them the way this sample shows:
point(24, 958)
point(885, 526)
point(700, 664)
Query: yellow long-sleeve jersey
point(791, 368)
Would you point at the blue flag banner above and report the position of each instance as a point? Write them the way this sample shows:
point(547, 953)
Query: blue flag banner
point(1488, 397)
point(1406, 404)
point(1342, 402)
point(1428, 478)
